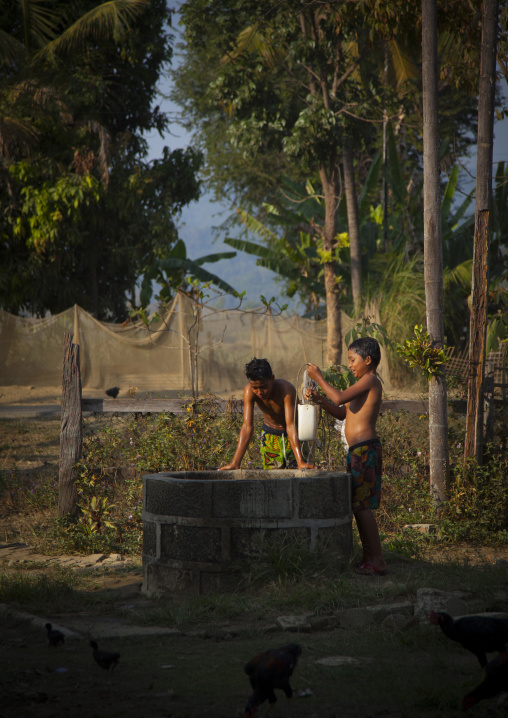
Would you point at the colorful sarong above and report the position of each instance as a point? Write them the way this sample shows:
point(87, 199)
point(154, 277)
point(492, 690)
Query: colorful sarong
point(276, 450)
point(365, 463)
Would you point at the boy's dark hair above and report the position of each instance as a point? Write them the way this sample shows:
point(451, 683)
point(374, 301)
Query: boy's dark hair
point(258, 369)
point(367, 347)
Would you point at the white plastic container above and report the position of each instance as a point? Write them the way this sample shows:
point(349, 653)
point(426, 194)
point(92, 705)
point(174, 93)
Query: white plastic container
point(308, 417)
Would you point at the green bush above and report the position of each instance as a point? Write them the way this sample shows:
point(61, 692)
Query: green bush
point(477, 509)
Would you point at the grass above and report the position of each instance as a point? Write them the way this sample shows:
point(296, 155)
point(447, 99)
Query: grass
point(61, 590)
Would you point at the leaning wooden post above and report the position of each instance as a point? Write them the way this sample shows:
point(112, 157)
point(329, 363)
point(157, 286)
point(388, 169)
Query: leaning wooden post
point(70, 432)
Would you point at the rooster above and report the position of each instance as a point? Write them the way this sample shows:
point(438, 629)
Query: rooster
point(268, 671)
point(55, 637)
point(495, 681)
point(478, 634)
point(105, 659)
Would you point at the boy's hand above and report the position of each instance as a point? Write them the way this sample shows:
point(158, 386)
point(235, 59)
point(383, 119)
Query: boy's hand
point(314, 372)
point(307, 466)
point(313, 395)
point(229, 467)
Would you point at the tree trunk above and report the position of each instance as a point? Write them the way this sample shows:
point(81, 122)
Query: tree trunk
point(473, 444)
point(433, 258)
point(353, 222)
point(329, 181)
point(70, 432)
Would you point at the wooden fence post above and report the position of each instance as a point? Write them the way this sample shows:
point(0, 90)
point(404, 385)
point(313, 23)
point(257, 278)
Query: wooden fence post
point(71, 431)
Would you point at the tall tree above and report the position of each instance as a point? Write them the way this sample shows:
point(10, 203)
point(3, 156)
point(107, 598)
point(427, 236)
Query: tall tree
point(83, 210)
point(281, 88)
point(473, 444)
point(353, 221)
point(289, 79)
point(433, 258)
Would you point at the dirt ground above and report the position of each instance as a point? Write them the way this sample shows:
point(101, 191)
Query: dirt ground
point(29, 394)
point(347, 669)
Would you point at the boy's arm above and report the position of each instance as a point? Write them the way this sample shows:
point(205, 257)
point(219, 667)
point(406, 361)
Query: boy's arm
point(339, 412)
point(245, 432)
point(289, 415)
point(341, 397)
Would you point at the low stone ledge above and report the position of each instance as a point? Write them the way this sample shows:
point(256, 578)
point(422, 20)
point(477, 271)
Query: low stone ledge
point(294, 624)
point(379, 613)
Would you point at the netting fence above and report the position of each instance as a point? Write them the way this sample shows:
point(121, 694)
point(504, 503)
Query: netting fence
point(159, 358)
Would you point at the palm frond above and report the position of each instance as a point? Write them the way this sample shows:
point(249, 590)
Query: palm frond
point(250, 40)
point(255, 226)
point(40, 20)
point(404, 67)
point(459, 276)
point(256, 250)
point(217, 257)
point(399, 288)
point(188, 266)
point(449, 193)
point(110, 19)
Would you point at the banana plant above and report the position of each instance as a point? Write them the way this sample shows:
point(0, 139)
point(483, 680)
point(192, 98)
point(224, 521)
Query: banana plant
point(174, 270)
point(295, 253)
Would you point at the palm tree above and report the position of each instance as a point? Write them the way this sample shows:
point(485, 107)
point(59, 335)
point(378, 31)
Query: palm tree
point(433, 259)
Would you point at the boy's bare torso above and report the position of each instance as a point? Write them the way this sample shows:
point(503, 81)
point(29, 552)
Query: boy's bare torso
point(273, 407)
point(362, 412)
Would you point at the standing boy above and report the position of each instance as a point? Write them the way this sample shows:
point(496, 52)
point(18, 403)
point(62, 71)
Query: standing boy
point(359, 405)
point(279, 437)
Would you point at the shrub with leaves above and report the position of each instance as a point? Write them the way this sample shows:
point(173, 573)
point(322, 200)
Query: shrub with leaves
point(421, 353)
point(477, 509)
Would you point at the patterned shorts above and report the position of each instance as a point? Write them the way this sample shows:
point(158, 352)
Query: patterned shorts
point(276, 450)
point(365, 463)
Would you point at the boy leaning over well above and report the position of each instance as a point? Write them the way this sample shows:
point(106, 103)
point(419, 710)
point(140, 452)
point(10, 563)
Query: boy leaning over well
point(280, 447)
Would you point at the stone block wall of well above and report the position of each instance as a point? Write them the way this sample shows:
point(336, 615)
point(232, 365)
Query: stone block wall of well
point(201, 533)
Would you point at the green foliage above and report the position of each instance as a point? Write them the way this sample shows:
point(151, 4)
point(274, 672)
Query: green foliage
point(497, 328)
point(408, 543)
point(116, 451)
point(420, 353)
point(94, 513)
point(478, 503)
point(339, 376)
point(52, 589)
point(176, 271)
point(39, 493)
point(84, 212)
point(287, 562)
point(53, 209)
point(366, 328)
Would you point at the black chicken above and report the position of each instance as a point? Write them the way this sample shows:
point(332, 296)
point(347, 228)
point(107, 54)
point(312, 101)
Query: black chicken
point(113, 392)
point(105, 659)
point(495, 681)
point(55, 637)
point(478, 634)
point(271, 669)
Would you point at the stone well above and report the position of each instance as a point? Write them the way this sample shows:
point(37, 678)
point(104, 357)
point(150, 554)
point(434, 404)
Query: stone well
point(202, 529)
